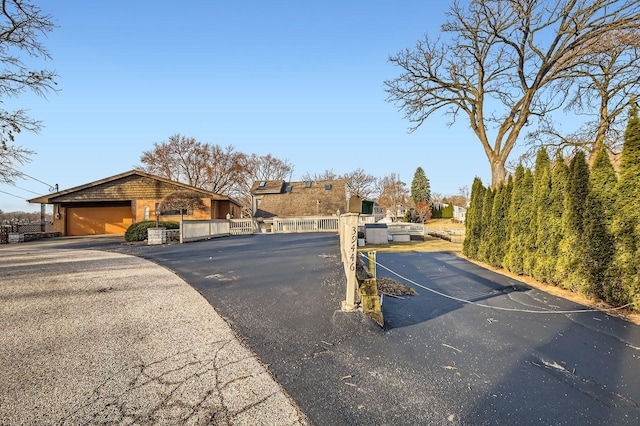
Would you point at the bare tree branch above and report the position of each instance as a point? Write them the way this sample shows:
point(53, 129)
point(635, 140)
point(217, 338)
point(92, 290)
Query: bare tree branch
point(504, 63)
point(22, 24)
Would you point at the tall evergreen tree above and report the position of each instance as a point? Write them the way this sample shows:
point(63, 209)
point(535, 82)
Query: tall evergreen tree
point(538, 206)
point(570, 256)
point(485, 224)
point(519, 217)
point(472, 222)
point(497, 246)
point(598, 243)
point(626, 222)
point(549, 238)
point(420, 187)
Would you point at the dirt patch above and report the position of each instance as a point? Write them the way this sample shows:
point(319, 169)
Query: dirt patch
point(391, 287)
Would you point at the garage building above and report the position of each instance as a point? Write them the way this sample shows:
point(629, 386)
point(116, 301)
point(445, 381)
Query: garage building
point(111, 205)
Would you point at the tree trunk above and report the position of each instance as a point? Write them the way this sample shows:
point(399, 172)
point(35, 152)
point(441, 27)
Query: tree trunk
point(498, 171)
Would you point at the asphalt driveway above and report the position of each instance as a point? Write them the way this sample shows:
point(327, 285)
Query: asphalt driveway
point(438, 361)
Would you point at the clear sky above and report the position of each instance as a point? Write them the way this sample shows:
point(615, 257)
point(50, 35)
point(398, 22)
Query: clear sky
point(300, 80)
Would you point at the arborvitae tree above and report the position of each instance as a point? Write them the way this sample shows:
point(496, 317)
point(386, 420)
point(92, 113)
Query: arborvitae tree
point(420, 188)
point(447, 211)
point(603, 181)
point(485, 224)
point(499, 225)
point(598, 241)
point(472, 222)
point(626, 222)
point(539, 201)
point(550, 234)
point(519, 217)
point(570, 256)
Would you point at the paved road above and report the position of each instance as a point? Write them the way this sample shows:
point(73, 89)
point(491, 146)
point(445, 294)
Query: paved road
point(438, 361)
point(90, 337)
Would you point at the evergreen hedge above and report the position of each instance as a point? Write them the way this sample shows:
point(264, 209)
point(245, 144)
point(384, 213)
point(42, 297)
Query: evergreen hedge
point(138, 230)
point(573, 226)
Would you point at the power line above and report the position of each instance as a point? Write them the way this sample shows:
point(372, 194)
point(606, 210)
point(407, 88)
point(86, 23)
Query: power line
point(13, 195)
point(24, 189)
point(51, 187)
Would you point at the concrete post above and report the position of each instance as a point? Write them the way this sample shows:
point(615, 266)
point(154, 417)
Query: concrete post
point(349, 239)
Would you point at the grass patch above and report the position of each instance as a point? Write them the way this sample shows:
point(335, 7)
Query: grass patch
point(430, 244)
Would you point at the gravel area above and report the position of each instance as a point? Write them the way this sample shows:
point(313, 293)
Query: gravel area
point(93, 337)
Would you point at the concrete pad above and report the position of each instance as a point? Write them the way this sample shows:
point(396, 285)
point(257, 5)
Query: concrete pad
point(94, 337)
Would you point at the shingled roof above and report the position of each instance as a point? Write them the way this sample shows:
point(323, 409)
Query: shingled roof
point(125, 186)
point(296, 199)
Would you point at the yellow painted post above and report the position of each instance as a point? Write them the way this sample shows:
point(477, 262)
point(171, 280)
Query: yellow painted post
point(349, 238)
point(371, 256)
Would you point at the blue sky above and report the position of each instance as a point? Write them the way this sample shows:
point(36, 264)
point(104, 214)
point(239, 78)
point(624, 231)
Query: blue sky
point(299, 80)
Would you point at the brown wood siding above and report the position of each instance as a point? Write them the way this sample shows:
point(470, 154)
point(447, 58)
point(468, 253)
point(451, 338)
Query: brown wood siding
point(98, 220)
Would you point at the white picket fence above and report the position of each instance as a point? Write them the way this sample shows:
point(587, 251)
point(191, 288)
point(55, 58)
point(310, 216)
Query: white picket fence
point(194, 230)
point(305, 224)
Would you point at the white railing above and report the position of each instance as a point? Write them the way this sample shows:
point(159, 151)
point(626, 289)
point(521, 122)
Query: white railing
point(405, 228)
point(194, 230)
point(305, 224)
point(363, 219)
point(242, 227)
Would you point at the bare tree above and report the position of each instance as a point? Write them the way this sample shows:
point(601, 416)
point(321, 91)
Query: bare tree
point(11, 157)
point(22, 24)
point(394, 194)
point(327, 175)
point(606, 82)
point(202, 165)
point(505, 63)
point(268, 167)
point(183, 201)
point(358, 182)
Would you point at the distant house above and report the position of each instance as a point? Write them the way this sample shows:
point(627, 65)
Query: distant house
point(397, 214)
point(111, 205)
point(459, 213)
point(441, 210)
point(277, 198)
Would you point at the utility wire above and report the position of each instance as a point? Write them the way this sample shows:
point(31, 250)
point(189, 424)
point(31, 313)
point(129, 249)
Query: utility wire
point(13, 195)
point(24, 189)
point(529, 311)
point(31, 177)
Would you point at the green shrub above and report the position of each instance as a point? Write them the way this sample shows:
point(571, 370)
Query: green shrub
point(138, 231)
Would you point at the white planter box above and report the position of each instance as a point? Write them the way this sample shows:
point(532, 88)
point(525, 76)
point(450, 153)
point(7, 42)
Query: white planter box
point(15, 237)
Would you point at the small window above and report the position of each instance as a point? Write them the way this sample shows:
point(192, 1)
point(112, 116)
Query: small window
point(146, 213)
point(262, 184)
point(287, 188)
point(307, 184)
point(327, 186)
point(177, 212)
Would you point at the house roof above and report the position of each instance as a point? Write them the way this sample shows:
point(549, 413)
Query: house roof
point(110, 189)
point(295, 199)
point(268, 187)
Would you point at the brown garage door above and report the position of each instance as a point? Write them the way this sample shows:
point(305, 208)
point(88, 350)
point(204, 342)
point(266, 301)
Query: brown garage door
point(98, 220)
